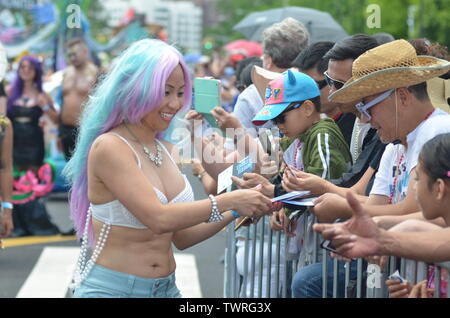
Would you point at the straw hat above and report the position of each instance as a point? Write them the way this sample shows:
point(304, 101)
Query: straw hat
point(3, 62)
point(261, 78)
point(439, 92)
point(392, 65)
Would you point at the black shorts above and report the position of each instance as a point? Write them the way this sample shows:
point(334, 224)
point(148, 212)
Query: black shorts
point(68, 137)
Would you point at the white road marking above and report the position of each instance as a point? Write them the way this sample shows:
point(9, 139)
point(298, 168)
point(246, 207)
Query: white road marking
point(53, 271)
point(187, 276)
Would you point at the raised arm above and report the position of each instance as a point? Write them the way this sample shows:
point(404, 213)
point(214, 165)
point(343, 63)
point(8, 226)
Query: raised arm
point(129, 185)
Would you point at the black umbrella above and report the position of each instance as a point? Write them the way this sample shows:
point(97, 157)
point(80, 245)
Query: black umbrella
point(320, 25)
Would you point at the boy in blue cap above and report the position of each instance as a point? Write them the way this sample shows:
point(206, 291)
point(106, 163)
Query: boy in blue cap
point(310, 144)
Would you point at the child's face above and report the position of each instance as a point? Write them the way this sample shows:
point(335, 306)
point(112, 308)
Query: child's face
point(426, 197)
point(295, 123)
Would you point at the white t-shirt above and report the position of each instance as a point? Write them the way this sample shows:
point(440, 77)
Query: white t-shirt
point(388, 172)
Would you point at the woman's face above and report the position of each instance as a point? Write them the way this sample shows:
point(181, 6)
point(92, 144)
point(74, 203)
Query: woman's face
point(27, 71)
point(173, 100)
point(426, 196)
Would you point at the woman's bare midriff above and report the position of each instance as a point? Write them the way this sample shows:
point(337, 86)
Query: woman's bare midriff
point(137, 252)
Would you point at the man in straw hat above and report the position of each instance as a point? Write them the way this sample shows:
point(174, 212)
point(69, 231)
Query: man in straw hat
point(390, 82)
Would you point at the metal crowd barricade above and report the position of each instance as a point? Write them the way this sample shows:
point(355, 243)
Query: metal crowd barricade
point(269, 249)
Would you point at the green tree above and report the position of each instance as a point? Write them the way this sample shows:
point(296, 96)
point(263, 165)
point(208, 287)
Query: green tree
point(431, 18)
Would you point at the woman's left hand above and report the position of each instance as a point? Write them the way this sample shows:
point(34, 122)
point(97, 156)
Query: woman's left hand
point(6, 225)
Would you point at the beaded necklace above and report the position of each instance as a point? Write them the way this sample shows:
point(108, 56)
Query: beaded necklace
point(297, 150)
point(84, 266)
point(396, 174)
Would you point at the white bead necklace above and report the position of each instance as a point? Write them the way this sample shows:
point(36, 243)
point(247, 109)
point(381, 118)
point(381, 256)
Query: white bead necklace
point(84, 267)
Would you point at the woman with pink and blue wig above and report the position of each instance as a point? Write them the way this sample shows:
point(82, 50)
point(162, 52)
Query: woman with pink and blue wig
point(128, 199)
point(26, 105)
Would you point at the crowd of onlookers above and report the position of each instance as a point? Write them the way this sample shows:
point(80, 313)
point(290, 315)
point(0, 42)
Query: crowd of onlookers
point(35, 125)
point(364, 126)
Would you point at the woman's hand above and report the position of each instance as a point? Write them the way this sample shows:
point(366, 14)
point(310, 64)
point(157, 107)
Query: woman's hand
point(7, 225)
point(250, 202)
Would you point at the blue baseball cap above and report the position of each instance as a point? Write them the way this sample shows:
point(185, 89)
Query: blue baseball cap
point(284, 90)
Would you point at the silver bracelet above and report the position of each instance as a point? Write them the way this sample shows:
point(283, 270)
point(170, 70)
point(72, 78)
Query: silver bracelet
point(215, 216)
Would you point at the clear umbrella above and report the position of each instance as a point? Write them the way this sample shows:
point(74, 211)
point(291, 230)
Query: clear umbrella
point(320, 25)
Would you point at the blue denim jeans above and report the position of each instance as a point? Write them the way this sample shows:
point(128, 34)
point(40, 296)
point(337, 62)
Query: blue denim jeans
point(103, 282)
point(307, 282)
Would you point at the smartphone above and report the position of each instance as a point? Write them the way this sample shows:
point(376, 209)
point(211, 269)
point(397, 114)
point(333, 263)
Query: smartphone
point(326, 245)
point(267, 141)
point(207, 97)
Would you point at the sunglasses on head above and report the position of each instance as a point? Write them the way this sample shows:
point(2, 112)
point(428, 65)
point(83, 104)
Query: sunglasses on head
point(280, 118)
point(332, 82)
point(363, 108)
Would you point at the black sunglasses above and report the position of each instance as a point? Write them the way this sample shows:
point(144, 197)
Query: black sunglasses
point(332, 82)
point(280, 118)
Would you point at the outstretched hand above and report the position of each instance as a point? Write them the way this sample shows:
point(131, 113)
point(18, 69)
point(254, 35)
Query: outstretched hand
point(251, 202)
point(356, 238)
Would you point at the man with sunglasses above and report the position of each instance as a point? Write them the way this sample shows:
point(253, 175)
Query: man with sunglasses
point(311, 61)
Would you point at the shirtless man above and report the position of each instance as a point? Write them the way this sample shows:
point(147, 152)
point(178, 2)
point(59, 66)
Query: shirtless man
point(78, 80)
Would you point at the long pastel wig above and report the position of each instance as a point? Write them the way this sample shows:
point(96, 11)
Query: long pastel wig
point(134, 86)
point(18, 83)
